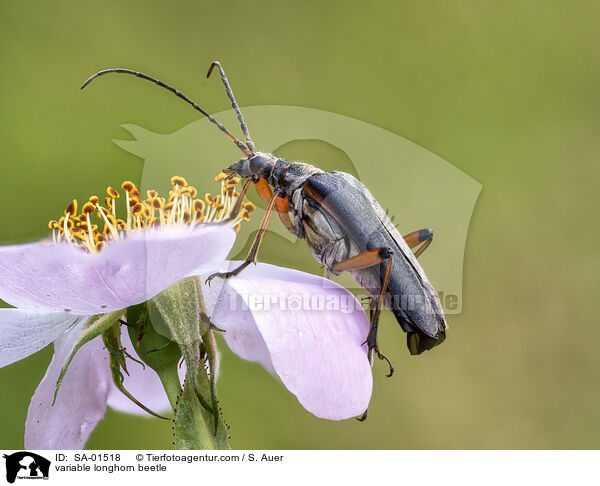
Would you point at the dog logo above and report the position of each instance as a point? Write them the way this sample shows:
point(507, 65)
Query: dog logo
point(26, 465)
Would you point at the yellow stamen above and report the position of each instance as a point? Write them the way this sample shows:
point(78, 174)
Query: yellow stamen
point(178, 181)
point(127, 186)
point(137, 209)
point(180, 209)
point(71, 209)
point(88, 208)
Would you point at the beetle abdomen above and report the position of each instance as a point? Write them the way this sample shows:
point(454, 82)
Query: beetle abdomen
point(409, 295)
point(325, 237)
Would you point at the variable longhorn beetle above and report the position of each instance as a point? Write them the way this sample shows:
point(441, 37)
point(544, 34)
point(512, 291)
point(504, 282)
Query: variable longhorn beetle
point(344, 226)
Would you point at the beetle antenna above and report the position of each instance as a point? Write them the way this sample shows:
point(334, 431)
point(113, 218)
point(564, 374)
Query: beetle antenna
point(241, 145)
point(234, 104)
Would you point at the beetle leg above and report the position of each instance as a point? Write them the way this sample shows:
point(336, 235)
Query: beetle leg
point(365, 260)
point(363, 417)
point(251, 257)
point(374, 313)
point(416, 237)
point(282, 205)
point(362, 260)
point(263, 189)
point(240, 200)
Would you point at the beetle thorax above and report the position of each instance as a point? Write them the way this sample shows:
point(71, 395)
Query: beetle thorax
point(278, 172)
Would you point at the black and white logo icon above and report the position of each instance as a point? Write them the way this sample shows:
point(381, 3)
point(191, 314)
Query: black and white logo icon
point(26, 465)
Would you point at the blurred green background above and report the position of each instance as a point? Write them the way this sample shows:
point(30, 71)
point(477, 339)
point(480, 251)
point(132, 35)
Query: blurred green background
point(506, 91)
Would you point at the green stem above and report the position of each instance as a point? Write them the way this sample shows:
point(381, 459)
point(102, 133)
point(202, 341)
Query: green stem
point(211, 349)
point(169, 377)
point(179, 313)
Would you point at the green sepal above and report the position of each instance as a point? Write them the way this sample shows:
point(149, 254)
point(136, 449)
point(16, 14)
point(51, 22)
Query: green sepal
point(179, 313)
point(112, 340)
point(94, 326)
point(157, 351)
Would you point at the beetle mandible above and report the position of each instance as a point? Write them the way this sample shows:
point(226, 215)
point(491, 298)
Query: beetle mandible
point(344, 226)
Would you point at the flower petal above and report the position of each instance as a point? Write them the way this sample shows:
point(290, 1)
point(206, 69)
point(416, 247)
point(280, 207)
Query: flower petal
point(308, 328)
point(63, 278)
point(143, 384)
point(23, 333)
point(227, 307)
point(81, 400)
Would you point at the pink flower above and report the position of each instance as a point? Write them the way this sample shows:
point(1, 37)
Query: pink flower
point(317, 353)
point(43, 280)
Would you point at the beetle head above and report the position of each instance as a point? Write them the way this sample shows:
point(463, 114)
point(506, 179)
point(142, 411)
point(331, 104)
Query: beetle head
point(240, 168)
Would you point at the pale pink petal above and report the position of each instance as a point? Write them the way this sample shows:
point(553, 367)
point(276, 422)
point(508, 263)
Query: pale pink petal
point(143, 384)
point(23, 333)
point(311, 332)
point(227, 308)
point(81, 400)
point(61, 278)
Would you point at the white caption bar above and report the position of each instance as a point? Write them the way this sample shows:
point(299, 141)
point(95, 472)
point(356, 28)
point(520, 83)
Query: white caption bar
point(305, 467)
